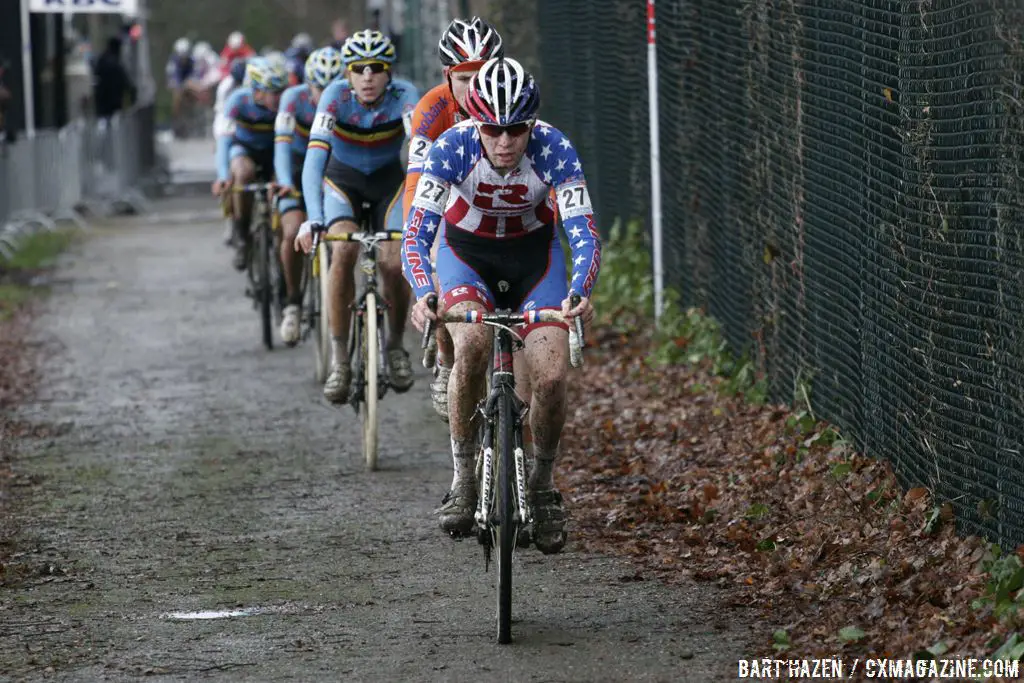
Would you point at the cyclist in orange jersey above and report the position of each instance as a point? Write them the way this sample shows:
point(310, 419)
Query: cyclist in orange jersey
point(463, 49)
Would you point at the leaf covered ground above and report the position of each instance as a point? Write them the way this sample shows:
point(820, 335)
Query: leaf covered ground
point(694, 482)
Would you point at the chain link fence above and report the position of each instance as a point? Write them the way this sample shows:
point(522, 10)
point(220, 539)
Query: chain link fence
point(842, 188)
point(89, 165)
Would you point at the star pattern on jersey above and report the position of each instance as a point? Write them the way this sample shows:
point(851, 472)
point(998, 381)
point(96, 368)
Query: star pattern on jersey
point(550, 160)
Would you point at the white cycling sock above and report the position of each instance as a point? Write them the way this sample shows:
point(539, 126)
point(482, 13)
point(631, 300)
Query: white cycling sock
point(463, 461)
point(338, 350)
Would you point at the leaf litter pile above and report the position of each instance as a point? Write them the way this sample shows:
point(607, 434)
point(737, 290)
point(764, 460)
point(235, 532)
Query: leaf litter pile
point(693, 483)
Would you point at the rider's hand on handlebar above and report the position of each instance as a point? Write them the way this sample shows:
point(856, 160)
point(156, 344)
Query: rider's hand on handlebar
point(285, 191)
point(220, 187)
point(304, 240)
point(421, 312)
point(584, 309)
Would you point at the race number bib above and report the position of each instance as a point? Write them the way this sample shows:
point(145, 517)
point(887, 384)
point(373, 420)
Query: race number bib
point(418, 148)
point(323, 124)
point(284, 124)
point(574, 200)
point(431, 193)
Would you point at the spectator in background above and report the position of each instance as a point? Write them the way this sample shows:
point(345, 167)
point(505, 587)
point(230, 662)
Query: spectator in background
point(339, 31)
point(112, 87)
point(234, 48)
point(179, 70)
point(5, 102)
point(296, 55)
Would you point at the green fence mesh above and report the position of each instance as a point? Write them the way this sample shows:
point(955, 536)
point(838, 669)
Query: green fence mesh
point(842, 187)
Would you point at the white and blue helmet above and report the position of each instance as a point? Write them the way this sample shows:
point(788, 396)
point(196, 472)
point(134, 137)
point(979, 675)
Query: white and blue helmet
point(323, 66)
point(265, 75)
point(368, 46)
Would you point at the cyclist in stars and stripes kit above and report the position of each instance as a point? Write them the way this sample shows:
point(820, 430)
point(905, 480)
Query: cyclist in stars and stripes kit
point(490, 179)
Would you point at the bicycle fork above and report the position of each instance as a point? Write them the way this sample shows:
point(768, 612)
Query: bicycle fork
point(502, 381)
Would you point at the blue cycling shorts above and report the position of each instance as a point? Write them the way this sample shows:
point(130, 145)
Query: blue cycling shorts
point(519, 274)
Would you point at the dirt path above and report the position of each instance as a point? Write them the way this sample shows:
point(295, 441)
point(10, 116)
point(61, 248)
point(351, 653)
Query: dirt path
point(196, 471)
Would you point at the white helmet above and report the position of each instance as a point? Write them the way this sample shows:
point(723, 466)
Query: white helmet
point(303, 41)
point(201, 50)
point(474, 41)
point(181, 46)
point(236, 40)
point(277, 59)
point(368, 45)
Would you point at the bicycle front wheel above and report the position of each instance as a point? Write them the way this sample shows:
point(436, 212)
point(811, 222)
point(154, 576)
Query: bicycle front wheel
point(371, 361)
point(318, 316)
point(507, 526)
point(265, 290)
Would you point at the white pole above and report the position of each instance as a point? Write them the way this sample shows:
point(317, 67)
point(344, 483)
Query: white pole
point(652, 90)
point(26, 67)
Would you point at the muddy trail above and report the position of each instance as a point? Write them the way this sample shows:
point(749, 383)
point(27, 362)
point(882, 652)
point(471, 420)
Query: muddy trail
point(188, 470)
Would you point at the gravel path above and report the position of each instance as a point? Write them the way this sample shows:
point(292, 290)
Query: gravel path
point(194, 471)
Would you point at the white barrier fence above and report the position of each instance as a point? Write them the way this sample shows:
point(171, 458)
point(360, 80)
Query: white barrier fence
point(94, 166)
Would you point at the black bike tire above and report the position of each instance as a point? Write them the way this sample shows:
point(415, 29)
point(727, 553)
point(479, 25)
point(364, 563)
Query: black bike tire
point(266, 286)
point(506, 491)
point(369, 410)
point(321, 330)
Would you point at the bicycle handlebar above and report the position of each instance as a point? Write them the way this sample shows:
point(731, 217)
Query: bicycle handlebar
point(252, 187)
point(382, 236)
point(508, 319)
point(320, 235)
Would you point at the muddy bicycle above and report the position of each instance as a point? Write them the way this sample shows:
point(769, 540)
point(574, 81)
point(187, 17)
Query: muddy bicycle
point(368, 330)
point(265, 279)
point(503, 516)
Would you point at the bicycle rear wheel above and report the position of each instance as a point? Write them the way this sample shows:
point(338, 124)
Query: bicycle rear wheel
point(506, 514)
point(265, 289)
point(371, 363)
point(318, 316)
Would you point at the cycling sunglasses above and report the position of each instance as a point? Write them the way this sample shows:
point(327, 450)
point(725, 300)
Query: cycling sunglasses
point(374, 67)
point(492, 130)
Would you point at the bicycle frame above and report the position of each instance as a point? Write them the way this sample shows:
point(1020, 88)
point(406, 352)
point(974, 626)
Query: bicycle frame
point(266, 287)
point(366, 265)
point(502, 513)
point(504, 343)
